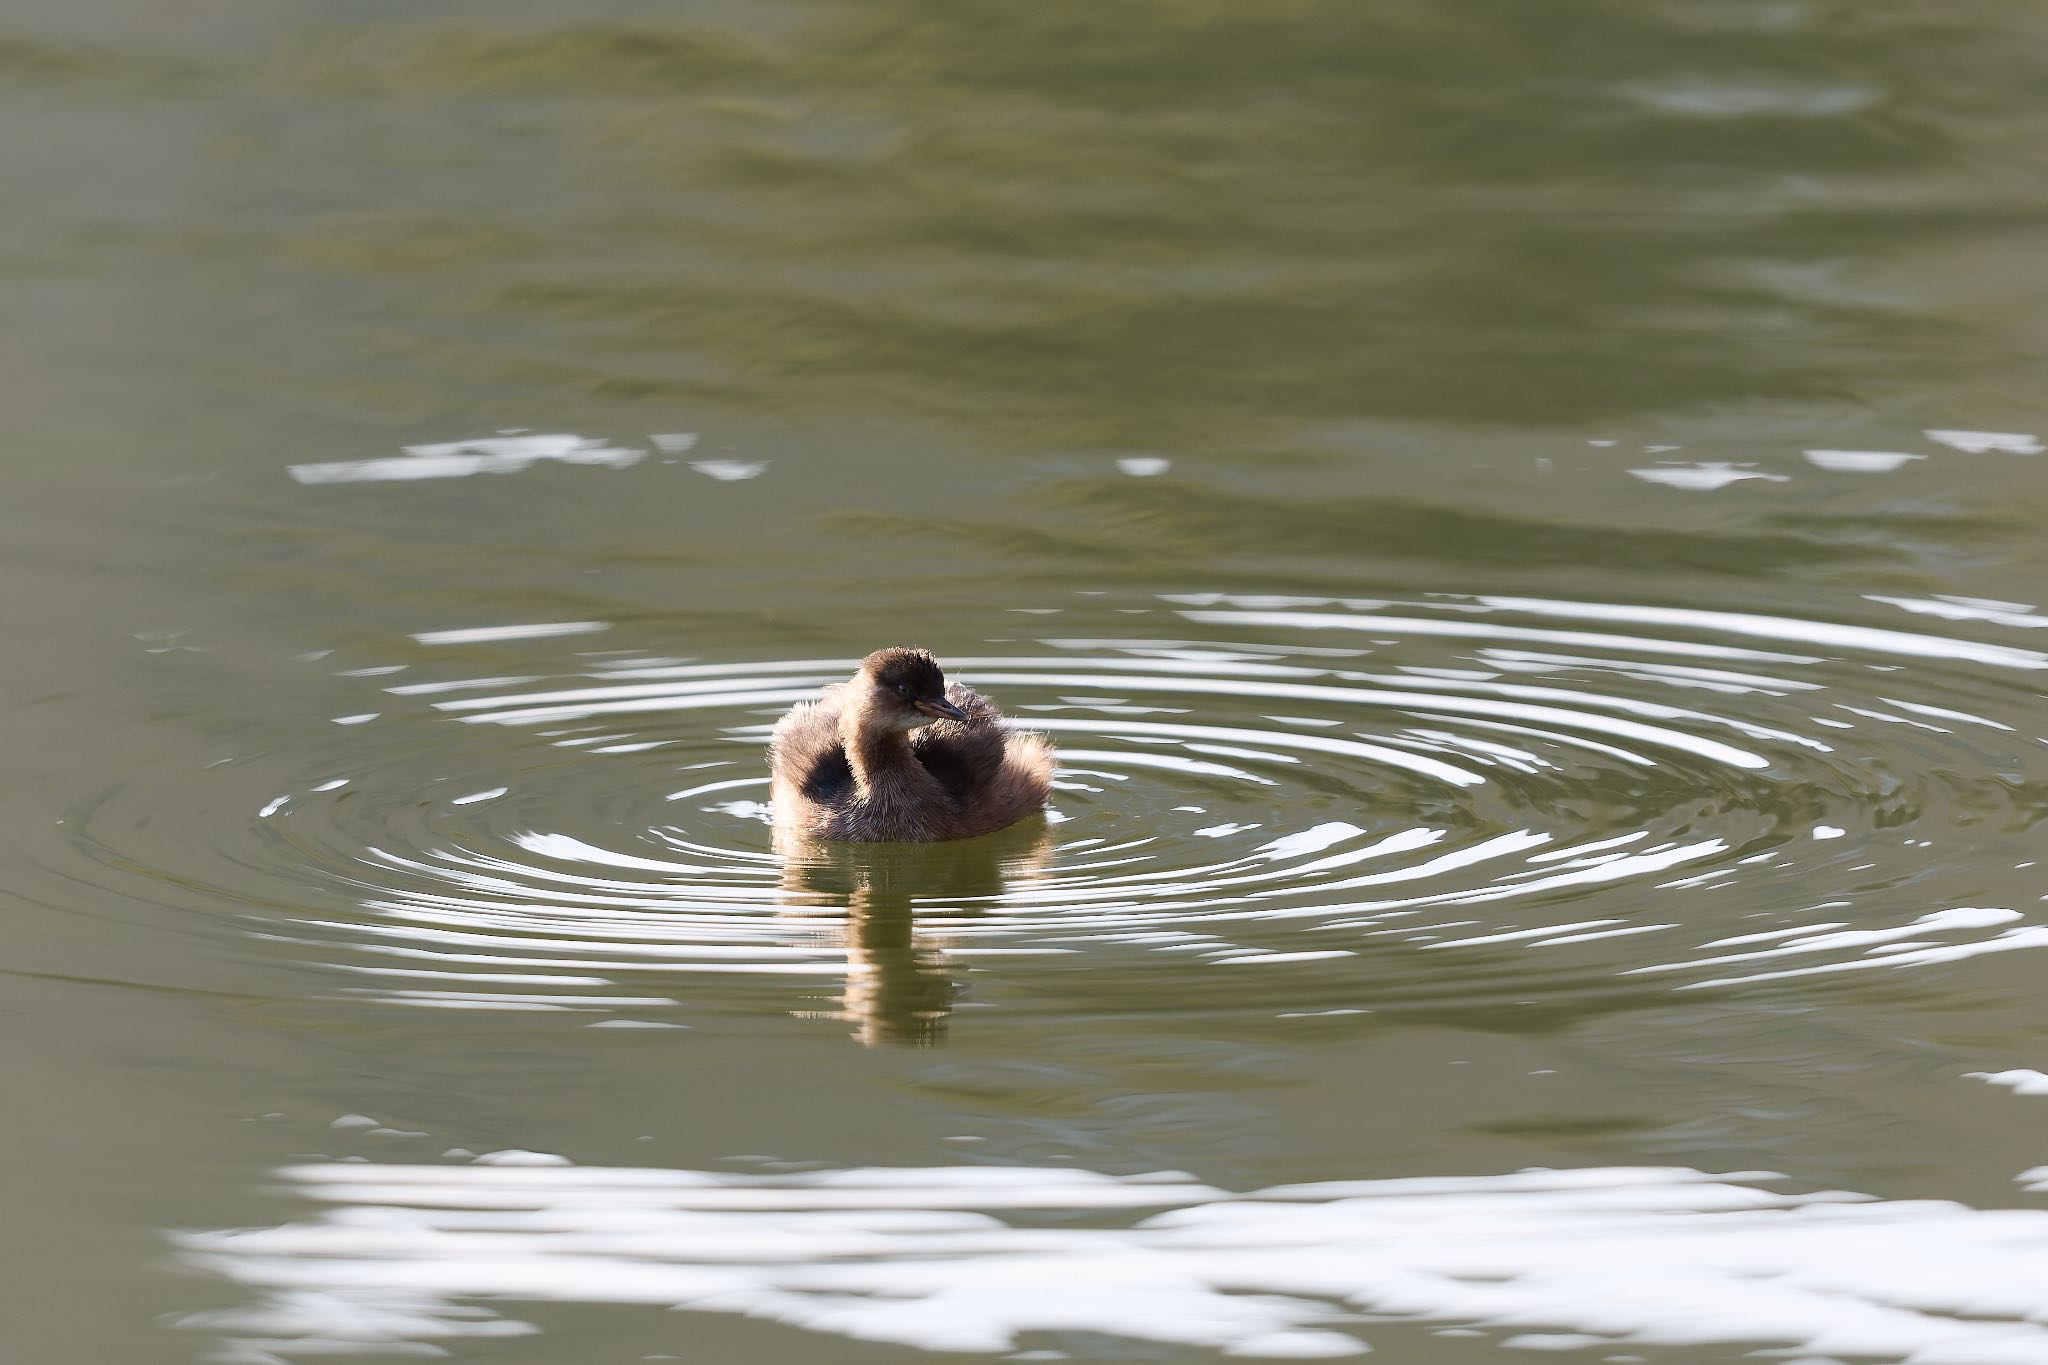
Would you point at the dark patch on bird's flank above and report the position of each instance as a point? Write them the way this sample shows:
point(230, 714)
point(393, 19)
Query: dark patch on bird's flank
point(957, 764)
point(830, 777)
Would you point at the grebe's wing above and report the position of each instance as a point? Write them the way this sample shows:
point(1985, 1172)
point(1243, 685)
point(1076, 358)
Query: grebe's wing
point(963, 754)
point(804, 752)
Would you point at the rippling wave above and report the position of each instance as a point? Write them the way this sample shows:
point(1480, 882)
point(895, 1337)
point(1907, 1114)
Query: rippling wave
point(1273, 805)
point(969, 1258)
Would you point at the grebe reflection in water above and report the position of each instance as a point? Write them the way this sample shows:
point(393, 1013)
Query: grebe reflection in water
point(900, 985)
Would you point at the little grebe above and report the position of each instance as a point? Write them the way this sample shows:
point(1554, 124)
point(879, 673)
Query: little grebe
point(895, 755)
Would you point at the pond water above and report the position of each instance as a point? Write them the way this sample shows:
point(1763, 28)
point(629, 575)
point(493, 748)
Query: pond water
point(1522, 522)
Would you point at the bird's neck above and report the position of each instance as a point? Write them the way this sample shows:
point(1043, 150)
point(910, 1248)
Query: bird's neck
point(885, 767)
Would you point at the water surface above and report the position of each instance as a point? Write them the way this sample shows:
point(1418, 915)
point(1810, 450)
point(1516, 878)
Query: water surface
point(1523, 528)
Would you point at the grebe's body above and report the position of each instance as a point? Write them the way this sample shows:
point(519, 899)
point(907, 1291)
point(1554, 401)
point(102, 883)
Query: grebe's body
point(895, 755)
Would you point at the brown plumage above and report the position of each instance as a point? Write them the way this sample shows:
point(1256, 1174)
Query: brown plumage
point(895, 755)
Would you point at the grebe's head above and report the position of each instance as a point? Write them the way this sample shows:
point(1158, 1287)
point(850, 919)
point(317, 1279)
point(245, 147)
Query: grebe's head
point(906, 688)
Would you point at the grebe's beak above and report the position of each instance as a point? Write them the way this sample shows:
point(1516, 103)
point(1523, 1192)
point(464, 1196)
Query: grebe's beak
point(938, 708)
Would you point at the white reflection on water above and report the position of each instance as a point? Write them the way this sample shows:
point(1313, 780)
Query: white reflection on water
point(1901, 945)
point(1984, 442)
point(968, 1258)
point(2020, 1081)
point(503, 454)
point(1705, 476)
point(1696, 96)
point(1952, 608)
point(730, 471)
point(479, 635)
point(1860, 461)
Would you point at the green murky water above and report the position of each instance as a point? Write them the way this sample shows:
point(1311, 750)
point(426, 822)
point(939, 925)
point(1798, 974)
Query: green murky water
point(1522, 521)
